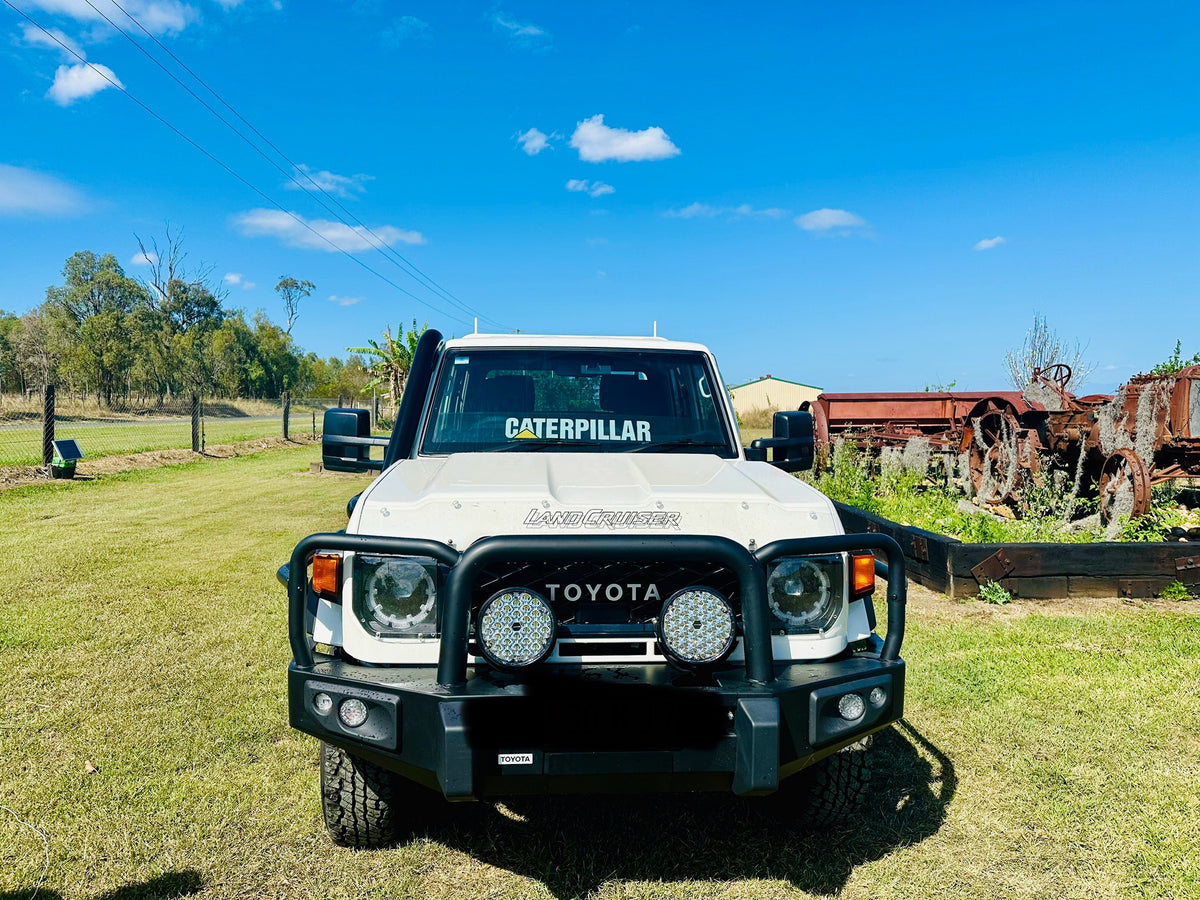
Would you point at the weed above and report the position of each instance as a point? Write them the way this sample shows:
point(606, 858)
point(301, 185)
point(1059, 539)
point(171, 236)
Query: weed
point(1176, 590)
point(994, 592)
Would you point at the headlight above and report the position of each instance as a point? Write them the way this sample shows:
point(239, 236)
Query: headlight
point(515, 628)
point(806, 593)
point(396, 596)
point(696, 627)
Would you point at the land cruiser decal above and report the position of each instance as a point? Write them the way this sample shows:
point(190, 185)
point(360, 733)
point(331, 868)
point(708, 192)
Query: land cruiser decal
point(610, 519)
point(572, 429)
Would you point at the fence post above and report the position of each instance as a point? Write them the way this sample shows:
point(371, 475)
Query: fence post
point(48, 425)
point(287, 411)
point(196, 448)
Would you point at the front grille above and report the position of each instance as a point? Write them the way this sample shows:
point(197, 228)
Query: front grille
point(614, 593)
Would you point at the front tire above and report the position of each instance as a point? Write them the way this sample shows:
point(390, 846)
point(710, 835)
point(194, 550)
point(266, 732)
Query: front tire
point(366, 806)
point(827, 793)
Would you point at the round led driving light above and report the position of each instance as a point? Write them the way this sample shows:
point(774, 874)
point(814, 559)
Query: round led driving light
point(877, 697)
point(851, 706)
point(696, 627)
point(516, 628)
point(399, 594)
point(322, 703)
point(352, 712)
point(802, 594)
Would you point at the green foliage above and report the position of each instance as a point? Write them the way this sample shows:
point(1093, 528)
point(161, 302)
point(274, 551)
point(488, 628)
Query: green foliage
point(392, 359)
point(105, 334)
point(292, 292)
point(941, 388)
point(1155, 525)
point(1176, 590)
point(994, 592)
point(911, 499)
point(1175, 362)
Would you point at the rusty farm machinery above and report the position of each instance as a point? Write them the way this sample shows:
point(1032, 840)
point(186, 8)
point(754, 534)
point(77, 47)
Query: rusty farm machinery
point(996, 444)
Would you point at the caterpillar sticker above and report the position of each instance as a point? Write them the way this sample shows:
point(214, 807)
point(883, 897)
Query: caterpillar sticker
point(573, 429)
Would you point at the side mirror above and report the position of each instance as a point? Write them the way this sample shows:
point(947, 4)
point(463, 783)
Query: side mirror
point(346, 441)
point(791, 442)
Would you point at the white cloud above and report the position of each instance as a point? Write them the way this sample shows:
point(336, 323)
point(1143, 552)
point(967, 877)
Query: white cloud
point(597, 242)
point(25, 191)
point(523, 34)
point(591, 188)
point(344, 301)
point(534, 141)
point(53, 39)
point(742, 211)
point(745, 210)
point(989, 243)
point(405, 28)
point(294, 230)
point(73, 83)
point(830, 220)
point(149, 258)
point(342, 185)
point(597, 142)
point(237, 279)
point(156, 16)
point(692, 211)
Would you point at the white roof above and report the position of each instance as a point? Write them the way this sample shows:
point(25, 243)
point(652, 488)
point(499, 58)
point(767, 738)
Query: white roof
point(572, 340)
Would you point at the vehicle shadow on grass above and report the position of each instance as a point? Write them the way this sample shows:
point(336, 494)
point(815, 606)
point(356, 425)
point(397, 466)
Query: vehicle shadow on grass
point(161, 887)
point(574, 845)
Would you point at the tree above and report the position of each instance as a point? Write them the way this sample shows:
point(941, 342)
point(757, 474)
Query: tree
point(90, 312)
point(1041, 349)
point(184, 310)
point(292, 292)
point(392, 360)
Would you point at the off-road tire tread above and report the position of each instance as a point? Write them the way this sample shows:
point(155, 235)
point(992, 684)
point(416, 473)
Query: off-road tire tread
point(359, 800)
point(836, 787)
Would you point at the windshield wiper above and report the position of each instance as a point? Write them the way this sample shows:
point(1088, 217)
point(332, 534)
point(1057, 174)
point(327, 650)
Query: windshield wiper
point(680, 444)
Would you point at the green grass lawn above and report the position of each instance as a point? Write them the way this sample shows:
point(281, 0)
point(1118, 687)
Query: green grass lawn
point(23, 446)
point(1047, 750)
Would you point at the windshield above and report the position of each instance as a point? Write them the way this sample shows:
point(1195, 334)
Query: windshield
point(576, 400)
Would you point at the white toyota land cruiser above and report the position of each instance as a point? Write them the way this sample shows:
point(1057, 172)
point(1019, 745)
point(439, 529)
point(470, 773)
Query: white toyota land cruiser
point(570, 577)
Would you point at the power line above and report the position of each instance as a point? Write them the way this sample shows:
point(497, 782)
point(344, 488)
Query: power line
point(379, 244)
point(299, 220)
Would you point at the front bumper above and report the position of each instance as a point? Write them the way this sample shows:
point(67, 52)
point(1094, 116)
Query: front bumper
point(560, 728)
point(619, 728)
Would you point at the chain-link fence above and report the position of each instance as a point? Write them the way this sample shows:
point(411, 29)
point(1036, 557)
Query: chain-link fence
point(29, 424)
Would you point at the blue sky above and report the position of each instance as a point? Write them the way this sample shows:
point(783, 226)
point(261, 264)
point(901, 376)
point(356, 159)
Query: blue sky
point(860, 196)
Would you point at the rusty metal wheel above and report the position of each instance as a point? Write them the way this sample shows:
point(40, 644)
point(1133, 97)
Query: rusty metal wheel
point(995, 467)
point(1124, 486)
point(1058, 374)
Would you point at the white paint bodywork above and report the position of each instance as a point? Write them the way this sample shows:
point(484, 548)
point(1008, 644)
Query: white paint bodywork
point(460, 498)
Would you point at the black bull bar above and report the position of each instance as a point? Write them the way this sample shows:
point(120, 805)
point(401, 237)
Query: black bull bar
point(749, 568)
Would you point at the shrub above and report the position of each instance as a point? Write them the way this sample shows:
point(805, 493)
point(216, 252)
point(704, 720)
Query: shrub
point(994, 592)
point(1176, 590)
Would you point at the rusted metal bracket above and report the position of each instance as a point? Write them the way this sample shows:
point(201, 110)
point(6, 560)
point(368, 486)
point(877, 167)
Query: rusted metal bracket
point(1138, 588)
point(1187, 569)
point(920, 548)
point(993, 568)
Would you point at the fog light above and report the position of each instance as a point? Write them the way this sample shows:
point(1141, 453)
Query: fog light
point(851, 707)
point(516, 628)
point(352, 712)
point(697, 627)
point(877, 697)
point(322, 703)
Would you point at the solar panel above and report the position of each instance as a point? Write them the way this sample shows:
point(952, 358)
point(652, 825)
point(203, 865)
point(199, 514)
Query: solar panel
point(68, 450)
